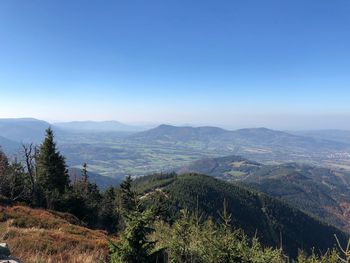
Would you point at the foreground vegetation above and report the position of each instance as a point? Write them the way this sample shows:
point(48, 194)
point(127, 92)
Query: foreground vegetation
point(148, 237)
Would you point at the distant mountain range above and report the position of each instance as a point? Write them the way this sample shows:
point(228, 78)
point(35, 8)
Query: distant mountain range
point(33, 130)
point(322, 192)
point(111, 150)
point(97, 126)
point(173, 133)
point(256, 137)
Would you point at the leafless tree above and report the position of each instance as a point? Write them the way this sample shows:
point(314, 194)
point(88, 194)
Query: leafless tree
point(29, 152)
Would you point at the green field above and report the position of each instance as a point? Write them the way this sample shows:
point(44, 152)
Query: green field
point(116, 156)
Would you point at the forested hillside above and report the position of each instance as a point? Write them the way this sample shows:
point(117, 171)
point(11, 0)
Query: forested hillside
point(322, 192)
point(274, 222)
point(23, 129)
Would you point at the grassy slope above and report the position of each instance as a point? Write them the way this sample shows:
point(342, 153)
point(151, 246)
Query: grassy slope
point(36, 235)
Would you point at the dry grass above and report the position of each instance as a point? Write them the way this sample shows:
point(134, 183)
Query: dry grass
point(36, 235)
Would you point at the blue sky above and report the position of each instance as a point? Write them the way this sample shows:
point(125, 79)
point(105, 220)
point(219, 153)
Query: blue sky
point(280, 64)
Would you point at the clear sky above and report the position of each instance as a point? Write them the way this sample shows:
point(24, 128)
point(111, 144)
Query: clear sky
point(280, 64)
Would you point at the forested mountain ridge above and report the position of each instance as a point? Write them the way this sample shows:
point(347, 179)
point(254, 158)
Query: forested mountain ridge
point(248, 136)
point(273, 221)
point(322, 192)
point(174, 133)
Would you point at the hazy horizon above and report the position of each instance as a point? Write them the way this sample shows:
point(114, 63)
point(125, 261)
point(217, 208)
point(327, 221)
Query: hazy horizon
point(282, 125)
point(281, 65)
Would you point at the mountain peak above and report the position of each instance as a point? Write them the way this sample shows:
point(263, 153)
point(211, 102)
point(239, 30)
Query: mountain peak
point(180, 133)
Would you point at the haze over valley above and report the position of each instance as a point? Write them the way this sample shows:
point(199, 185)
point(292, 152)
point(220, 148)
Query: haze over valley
point(116, 150)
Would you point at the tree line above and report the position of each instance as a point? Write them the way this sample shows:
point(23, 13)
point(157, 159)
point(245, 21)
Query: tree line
point(41, 180)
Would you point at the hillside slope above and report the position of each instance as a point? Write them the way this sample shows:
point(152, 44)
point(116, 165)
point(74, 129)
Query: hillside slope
point(36, 235)
point(342, 136)
point(25, 130)
point(272, 220)
point(187, 133)
point(9, 146)
point(103, 182)
point(323, 192)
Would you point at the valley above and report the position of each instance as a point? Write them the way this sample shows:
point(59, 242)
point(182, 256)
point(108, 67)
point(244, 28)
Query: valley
point(166, 148)
point(112, 151)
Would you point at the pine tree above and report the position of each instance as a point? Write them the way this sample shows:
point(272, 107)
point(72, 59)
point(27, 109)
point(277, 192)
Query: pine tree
point(134, 245)
point(52, 175)
point(13, 180)
point(108, 210)
point(180, 239)
point(82, 185)
point(84, 173)
point(127, 196)
point(86, 198)
point(18, 183)
point(227, 249)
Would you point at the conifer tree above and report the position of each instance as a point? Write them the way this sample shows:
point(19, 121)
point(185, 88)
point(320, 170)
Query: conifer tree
point(127, 196)
point(108, 210)
point(13, 180)
point(84, 173)
point(87, 198)
point(52, 175)
point(180, 239)
point(82, 185)
point(134, 245)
